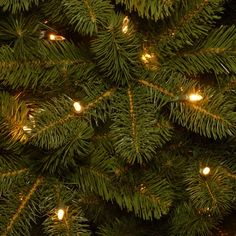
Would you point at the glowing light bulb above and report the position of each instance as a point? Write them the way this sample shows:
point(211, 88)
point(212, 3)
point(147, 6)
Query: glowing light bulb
point(195, 97)
point(60, 214)
point(145, 57)
point(27, 129)
point(77, 106)
point(54, 37)
point(206, 171)
point(125, 25)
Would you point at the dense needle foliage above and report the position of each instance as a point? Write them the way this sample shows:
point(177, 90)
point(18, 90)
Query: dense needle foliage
point(130, 160)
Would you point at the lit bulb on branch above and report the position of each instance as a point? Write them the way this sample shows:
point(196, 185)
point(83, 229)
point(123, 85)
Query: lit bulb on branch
point(205, 171)
point(27, 129)
point(146, 57)
point(194, 97)
point(55, 37)
point(60, 214)
point(125, 25)
point(77, 106)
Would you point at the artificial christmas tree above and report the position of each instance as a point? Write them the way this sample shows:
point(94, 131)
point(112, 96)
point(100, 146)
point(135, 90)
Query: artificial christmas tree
point(117, 117)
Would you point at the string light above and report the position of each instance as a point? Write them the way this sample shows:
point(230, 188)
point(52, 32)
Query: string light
point(142, 188)
point(60, 214)
point(27, 129)
point(77, 106)
point(125, 25)
point(195, 97)
point(54, 37)
point(146, 57)
point(205, 171)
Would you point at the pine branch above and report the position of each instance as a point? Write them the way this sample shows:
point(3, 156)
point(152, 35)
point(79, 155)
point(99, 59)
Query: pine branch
point(153, 10)
point(14, 114)
point(17, 5)
point(212, 117)
point(114, 45)
point(19, 222)
point(136, 129)
point(187, 221)
point(22, 32)
point(55, 196)
point(46, 66)
point(212, 193)
point(87, 15)
point(190, 21)
point(216, 54)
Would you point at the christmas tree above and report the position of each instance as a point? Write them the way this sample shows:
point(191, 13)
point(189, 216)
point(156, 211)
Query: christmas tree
point(118, 118)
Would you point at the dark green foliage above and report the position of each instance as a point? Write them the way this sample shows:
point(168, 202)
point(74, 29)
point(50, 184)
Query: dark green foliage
point(190, 20)
point(153, 10)
point(21, 212)
point(213, 194)
point(130, 161)
point(118, 227)
point(188, 221)
point(22, 32)
point(210, 54)
point(47, 66)
point(57, 198)
point(87, 16)
point(116, 59)
point(216, 121)
point(136, 128)
point(18, 5)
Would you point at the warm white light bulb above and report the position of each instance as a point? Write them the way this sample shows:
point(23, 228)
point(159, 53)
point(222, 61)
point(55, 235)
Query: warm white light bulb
point(206, 170)
point(145, 57)
point(27, 129)
point(60, 214)
point(77, 106)
point(125, 25)
point(125, 29)
point(195, 97)
point(54, 37)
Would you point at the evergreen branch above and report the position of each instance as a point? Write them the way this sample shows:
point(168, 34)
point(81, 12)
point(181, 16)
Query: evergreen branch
point(22, 32)
point(24, 202)
point(211, 113)
point(204, 51)
point(188, 221)
point(119, 227)
point(46, 66)
point(211, 194)
point(13, 173)
point(157, 87)
point(52, 124)
point(114, 45)
point(99, 99)
point(53, 10)
point(186, 19)
point(17, 6)
point(61, 196)
point(216, 53)
point(196, 18)
point(14, 116)
point(207, 113)
point(153, 10)
point(73, 222)
point(61, 120)
point(135, 124)
point(133, 120)
point(87, 15)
